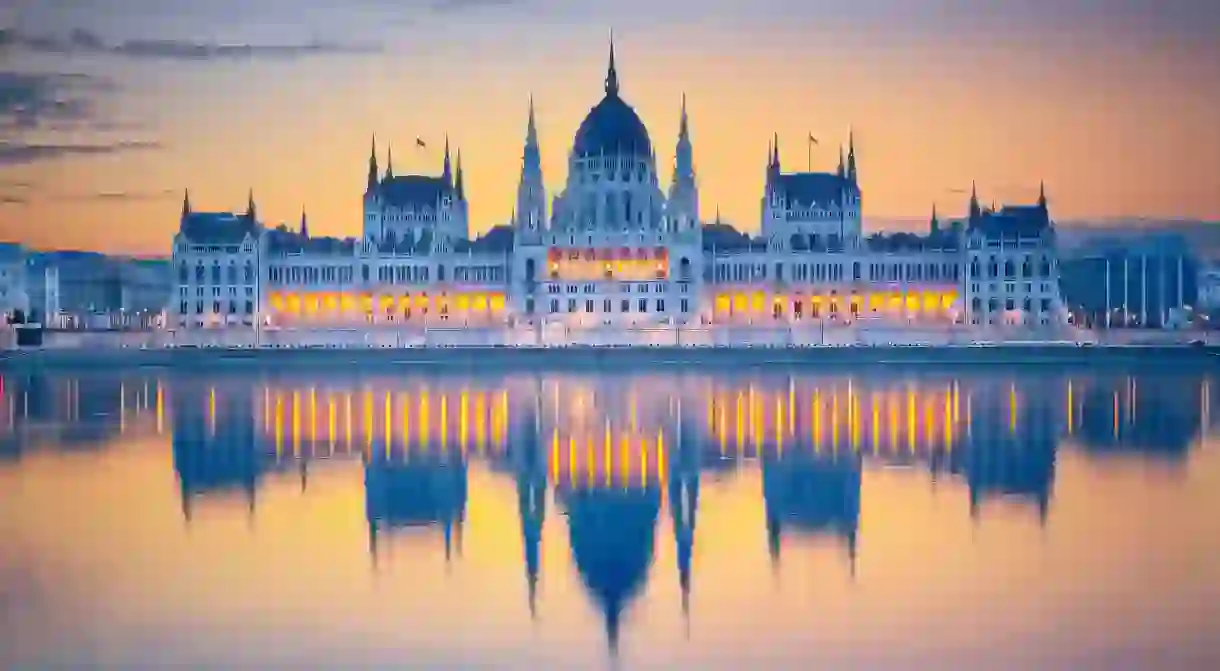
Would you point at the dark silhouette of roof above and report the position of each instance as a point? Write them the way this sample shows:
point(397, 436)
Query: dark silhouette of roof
point(224, 228)
point(803, 189)
point(1011, 221)
point(414, 190)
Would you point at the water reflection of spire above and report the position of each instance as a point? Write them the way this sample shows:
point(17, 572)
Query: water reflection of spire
point(422, 491)
point(812, 494)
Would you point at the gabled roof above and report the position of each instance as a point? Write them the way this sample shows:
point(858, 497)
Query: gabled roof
point(414, 190)
point(1011, 221)
point(812, 188)
point(221, 228)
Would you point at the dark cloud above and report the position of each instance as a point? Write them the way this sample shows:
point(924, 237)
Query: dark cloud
point(11, 199)
point(86, 42)
point(14, 153)
point(31, 100)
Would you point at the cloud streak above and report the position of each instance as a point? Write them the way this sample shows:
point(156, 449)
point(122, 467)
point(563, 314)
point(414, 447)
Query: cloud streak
point(86, 42)
point(18, 153)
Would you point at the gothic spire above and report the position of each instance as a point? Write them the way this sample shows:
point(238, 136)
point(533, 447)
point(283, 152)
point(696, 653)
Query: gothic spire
point(461, 191)
point(851, 155)
point(531, 131)
point(1042, 194)
point(842, 172)
point(389, 162)
point(373, 165)
point(683, 130)
point(611, 72)
point(251, 212)
point(448, 171)
point(186, 203)
point(304, 223)
point(974, 200)
point(775, 152)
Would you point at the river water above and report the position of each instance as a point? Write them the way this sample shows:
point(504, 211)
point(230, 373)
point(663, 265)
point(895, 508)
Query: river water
point(998, 518)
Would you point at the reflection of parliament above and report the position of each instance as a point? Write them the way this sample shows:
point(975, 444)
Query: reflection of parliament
point(619, 454)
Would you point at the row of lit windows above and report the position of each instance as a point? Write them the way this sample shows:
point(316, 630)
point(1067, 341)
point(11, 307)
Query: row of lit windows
point(642, 288)
point(184, 307)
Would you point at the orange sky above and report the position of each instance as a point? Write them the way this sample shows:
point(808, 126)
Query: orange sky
point(1118, 123)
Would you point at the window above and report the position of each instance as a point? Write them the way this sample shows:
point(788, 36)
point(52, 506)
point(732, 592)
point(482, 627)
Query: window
point(685, 305)
point(660, 306)
point(249, 307)
point(182, 308)
point(626, 306)
point(184, 275)
point(589, 306)
point(571, 305)
point(529, 306)
point(216, 307)
point(606, 307)
point(643, 305)
point(232, 307)
point(554, 305)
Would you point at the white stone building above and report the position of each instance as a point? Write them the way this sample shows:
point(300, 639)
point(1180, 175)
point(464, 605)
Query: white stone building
point(615, 255)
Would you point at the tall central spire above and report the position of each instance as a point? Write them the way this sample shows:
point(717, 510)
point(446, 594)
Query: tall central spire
point(611, 72)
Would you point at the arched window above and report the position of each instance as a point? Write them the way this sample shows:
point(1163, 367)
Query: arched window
point(184, 275)
point(249, 273)
point(530, 270)
point(215, 272)
point(684, 271)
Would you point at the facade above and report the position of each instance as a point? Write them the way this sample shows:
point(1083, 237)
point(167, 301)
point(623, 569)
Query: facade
point(89, 290)
point(613, 259)
point(13, 296)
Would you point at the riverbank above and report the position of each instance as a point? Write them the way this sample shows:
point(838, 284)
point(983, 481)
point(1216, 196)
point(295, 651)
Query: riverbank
point(1151, 356)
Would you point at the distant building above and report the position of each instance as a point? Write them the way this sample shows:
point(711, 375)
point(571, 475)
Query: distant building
point(75, 289)
point(1209, 288)
point(13, 296)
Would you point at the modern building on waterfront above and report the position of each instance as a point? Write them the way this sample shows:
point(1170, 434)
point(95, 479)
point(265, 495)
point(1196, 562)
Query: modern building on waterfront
point(615, 259)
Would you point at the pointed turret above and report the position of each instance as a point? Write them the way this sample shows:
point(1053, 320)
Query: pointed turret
point(975, 211)
point(372, 185)
point(683, 192)
point(935, 223)
point(458, 187)
point(447, 173)
point(251, 211)
point(851, 156)
point(389, 162)
point(842, 171)
point(1042, 195)
point(186, 203)
point(304, 223)
point(531, 195)
point(611, 73)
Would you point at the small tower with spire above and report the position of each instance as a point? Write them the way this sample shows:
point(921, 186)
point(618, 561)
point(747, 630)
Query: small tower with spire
point(251, 211)
point(459, 188)
point(975, 210)
point(530, 212)
point(1042, 195)
point(683, 200)
point(447, 172)
point(304, 223)
point(851, 157)
point(186, 204)
point(389, 163)
point(372, 181)
point(935, 223)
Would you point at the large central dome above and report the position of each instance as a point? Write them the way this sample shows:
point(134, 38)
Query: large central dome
point(612, 127)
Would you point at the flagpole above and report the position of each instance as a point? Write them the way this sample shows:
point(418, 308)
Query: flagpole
point(1108, 311)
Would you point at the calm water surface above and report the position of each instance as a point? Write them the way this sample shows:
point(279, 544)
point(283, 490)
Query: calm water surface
point(994, 519)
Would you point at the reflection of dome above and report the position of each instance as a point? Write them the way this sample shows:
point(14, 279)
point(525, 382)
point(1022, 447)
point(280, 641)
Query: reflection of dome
point(612, 127)
point(612, 535)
